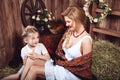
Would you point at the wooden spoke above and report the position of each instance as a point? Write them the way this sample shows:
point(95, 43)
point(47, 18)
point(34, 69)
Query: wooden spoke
point(28, 9)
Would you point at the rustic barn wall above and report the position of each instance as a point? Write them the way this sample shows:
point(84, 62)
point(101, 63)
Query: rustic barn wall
point(58, 6)
point(112, 19)
point(10, 30)
point(112, 22)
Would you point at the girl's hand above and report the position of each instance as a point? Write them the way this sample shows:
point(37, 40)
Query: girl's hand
point(33, 55)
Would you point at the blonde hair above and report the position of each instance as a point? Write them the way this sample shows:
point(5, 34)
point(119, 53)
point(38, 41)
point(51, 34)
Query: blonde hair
point(75, 13)
point(29, 29)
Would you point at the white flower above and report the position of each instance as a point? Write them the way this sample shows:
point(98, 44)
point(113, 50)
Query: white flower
point(102, 14)
point(87, 14)
point(33, 17)
point(86, 0)
point(95, 19)
point(39, 11)
point(50, 18)
point(102, 1)
point(86, 5)
point(85, 8)
point(109, 9)
point(45, 9)
point(46, 20)
point(49, 26)
point(53, 17)
point(37, 18)
point(49, 15)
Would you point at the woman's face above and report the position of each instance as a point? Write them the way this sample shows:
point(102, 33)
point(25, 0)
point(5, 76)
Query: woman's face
point(69, 23)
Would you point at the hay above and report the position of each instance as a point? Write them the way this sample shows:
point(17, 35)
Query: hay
point(8, 70)
point(106, 61)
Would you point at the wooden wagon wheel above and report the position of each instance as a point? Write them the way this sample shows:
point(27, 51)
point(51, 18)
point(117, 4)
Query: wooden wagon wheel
point(28, 9)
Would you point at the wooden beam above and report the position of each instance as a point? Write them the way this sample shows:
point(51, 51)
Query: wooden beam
point(107, 31)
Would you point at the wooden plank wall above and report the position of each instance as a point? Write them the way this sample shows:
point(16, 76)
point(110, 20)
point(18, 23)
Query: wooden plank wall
point(112, 22)
point(58, 6)
point(10, 29)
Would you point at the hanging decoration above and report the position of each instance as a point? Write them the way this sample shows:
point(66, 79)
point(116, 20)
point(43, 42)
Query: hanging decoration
point(103, 5)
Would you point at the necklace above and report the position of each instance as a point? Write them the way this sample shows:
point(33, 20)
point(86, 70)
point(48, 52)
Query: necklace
point(76, 36)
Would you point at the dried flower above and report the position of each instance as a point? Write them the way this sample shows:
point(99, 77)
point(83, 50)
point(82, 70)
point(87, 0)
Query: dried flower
point(105, 12)
point(95, 19)
point(43, 18)
point(102, 1)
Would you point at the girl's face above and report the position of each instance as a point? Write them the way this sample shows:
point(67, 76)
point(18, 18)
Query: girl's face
point(33, 39)
point(70, 23)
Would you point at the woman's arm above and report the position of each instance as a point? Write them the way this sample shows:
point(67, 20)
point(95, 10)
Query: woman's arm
point(86, 46)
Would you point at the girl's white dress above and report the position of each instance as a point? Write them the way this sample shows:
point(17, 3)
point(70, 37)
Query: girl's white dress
point(39, 49)
point(56, 72)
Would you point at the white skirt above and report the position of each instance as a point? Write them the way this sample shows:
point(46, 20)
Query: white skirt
point(56, 72)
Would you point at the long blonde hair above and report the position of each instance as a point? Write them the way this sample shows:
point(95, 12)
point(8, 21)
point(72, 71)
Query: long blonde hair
point(75, 13)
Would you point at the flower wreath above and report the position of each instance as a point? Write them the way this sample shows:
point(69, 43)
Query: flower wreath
point(105, 12)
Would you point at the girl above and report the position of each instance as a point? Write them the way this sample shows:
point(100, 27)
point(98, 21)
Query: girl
point(31, 53)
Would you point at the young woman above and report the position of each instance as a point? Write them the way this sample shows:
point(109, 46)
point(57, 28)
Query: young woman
point(73, 58)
